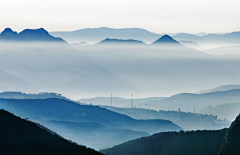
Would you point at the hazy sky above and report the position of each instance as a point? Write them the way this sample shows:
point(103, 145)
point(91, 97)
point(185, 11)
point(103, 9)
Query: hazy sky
point(160, 16)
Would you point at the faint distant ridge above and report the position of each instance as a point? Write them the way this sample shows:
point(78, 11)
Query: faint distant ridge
point(30, 35)
point(220, 88)
point(95, 35)
point(166, 40)
point(109, 41)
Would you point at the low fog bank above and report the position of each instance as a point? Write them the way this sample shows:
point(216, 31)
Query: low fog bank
point(103, 70)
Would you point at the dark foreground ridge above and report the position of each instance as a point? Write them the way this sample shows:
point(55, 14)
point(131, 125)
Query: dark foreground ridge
point(173, 143)
point(19, 136)
point(231, 142)
point(215, 142)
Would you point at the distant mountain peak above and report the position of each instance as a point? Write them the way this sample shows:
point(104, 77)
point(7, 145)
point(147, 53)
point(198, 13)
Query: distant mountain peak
point(166, 39)
point(39, 34)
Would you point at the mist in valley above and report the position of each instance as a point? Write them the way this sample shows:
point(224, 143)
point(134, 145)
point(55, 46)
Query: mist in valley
point(117, 90)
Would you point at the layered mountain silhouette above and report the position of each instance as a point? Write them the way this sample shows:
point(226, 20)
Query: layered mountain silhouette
point(80, 122)
point(21, 137)
point(215, 142)
point(30, 35)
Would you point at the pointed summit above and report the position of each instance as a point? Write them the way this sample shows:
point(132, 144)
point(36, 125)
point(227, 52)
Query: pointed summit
point(167, 40)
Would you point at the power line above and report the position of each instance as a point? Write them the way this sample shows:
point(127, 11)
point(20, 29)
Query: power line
point(132, 101)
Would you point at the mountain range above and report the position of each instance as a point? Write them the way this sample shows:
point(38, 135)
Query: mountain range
point(93, 71)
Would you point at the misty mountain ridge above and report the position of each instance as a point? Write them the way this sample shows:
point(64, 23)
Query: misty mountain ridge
point(110, 42)
point(29, 35)
point(211, 40)
point(188, 101)
point(95, 35)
